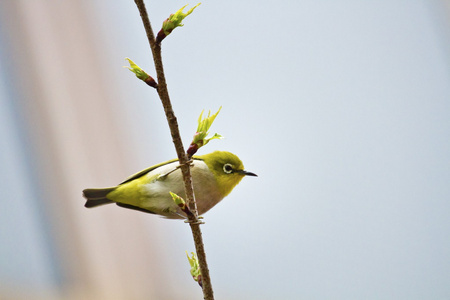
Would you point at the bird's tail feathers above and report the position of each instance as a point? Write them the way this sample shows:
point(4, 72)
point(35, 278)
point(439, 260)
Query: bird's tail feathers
point(96, 197)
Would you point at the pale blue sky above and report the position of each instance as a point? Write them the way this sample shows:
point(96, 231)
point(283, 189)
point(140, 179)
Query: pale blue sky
point(342, 108)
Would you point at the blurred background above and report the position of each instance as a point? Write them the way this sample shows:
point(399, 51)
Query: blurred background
point(341, 107)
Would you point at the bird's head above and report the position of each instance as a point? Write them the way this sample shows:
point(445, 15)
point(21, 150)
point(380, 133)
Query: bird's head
point(227, 168)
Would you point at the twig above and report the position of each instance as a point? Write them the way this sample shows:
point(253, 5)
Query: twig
point(182, 156)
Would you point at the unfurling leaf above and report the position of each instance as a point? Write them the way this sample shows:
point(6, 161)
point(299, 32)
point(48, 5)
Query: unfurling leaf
point(172, 22)
point(200, 137)
point(141, 74)
point(195, 267)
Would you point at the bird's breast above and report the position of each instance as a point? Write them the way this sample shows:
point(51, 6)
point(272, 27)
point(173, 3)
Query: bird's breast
point(170, 179)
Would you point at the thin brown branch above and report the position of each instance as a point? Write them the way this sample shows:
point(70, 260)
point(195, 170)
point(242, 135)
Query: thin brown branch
point(182, 156)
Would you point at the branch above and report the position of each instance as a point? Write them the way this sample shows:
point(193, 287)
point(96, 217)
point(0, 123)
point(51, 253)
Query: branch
point(182, 156)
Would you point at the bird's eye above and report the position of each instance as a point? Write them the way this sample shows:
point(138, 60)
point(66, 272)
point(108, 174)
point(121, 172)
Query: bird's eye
point(227, 168)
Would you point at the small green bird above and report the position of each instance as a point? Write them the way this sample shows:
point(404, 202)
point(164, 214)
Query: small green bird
point(214, 176)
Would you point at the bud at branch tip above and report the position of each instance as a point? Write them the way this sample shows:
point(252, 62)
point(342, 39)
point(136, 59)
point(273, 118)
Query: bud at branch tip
point(195, 267)
point(172, 22)
point(141, 74)
point(200, 137)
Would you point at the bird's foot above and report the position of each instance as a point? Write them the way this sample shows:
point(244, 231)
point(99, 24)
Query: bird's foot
point(195, 222)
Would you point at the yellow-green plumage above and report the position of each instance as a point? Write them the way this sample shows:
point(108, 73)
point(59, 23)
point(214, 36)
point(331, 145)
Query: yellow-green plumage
point(214, 176)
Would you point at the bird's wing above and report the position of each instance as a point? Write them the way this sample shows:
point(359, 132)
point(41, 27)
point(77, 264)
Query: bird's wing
point(143, 172)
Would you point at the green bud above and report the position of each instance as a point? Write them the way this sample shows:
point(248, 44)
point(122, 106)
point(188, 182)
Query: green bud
point(178, 201)
point(200, 137)
point(195, 267)
point(172, 22)
point(141, 74)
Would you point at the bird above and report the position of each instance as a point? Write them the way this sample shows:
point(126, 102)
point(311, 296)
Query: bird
point(214, 176)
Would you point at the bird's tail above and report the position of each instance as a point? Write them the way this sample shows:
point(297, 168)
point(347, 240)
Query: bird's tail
point(96, 197)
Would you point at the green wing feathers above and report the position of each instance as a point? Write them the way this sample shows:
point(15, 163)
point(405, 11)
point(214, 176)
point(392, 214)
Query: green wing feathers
point(96, 197)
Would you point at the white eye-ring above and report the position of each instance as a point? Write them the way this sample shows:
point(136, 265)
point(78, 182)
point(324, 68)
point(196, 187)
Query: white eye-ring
point(228, 168)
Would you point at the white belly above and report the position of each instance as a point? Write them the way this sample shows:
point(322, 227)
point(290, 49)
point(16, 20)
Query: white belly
point(158, 199)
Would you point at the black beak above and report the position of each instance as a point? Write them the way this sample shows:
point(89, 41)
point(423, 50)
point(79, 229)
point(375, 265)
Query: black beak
point(243, 172)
